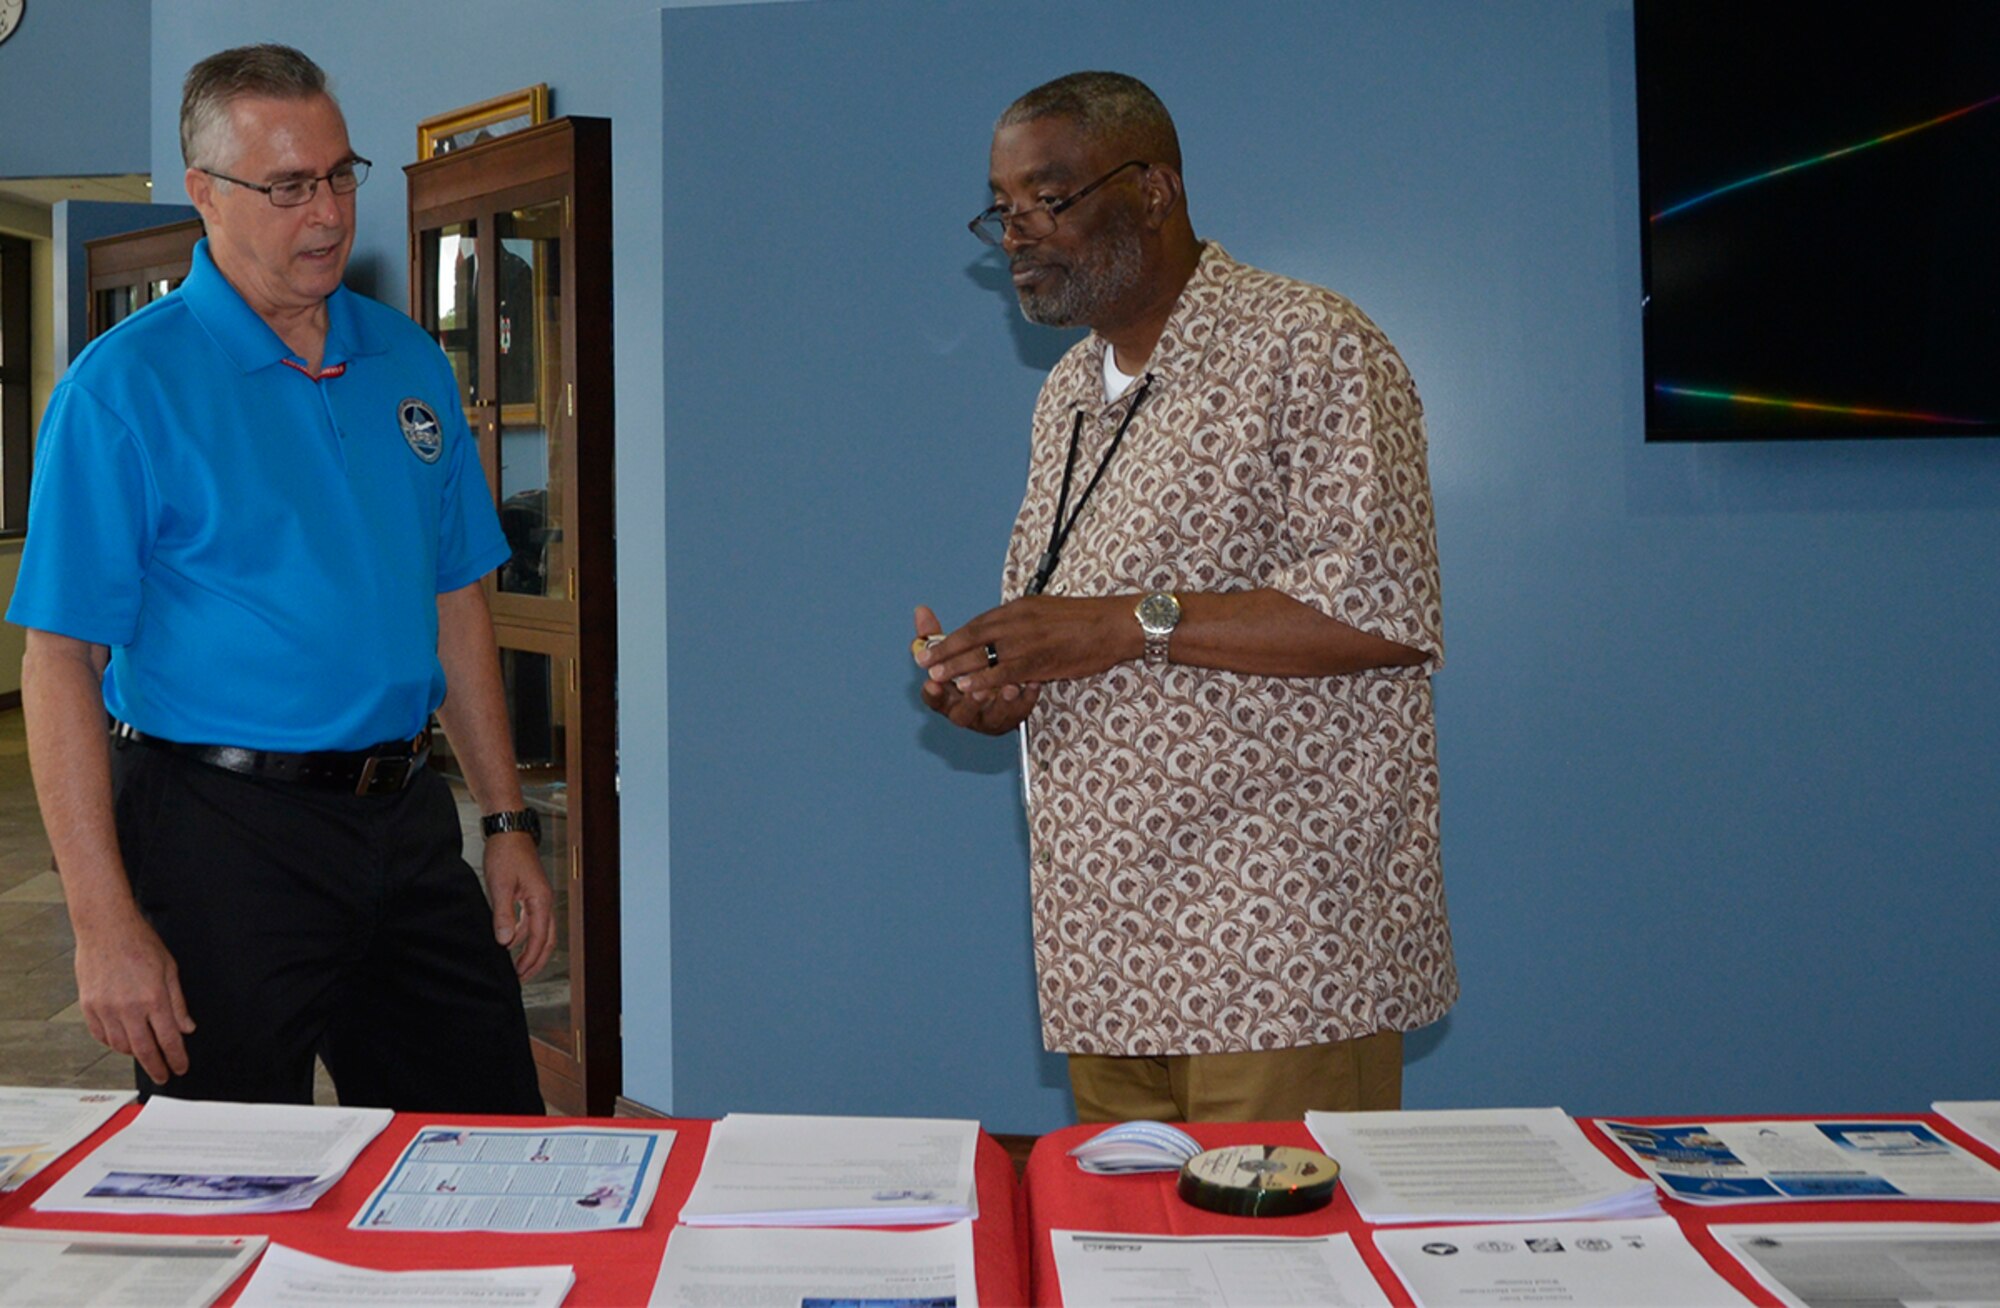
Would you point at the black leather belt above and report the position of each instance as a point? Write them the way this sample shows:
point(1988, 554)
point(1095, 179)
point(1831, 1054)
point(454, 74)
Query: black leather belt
point(378, 770)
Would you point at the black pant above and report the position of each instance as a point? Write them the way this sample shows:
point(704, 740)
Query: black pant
point(313, 922)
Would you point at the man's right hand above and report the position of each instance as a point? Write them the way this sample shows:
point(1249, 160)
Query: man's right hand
point(130, 992)
point(994, 712)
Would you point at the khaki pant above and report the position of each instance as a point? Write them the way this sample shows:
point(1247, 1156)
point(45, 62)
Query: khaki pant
point(1266, 1085)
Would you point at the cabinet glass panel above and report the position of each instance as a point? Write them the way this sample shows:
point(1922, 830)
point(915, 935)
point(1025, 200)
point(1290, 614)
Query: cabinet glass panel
point(530, 309)
point(116, 304)
point(451, 300)
point(538, 711)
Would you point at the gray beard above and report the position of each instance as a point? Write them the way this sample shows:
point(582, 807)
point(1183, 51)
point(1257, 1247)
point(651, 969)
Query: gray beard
point(1087, 287)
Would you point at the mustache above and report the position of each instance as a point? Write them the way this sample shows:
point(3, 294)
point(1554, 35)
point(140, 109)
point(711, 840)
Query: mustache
point(1027, 262)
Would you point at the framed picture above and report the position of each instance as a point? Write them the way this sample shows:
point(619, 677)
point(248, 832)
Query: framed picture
point(449, 133)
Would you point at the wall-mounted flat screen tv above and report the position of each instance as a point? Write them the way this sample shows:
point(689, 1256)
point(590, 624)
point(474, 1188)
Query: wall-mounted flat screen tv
point(1821, 193)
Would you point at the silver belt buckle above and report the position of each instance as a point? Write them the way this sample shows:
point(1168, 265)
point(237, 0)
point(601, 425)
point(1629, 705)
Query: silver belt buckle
point(383, 775)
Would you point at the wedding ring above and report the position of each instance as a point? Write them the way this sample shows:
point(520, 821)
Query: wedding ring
point(992, 656)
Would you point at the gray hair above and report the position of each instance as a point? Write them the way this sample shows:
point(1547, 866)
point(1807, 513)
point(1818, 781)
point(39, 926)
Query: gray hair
point(1107, 107)
point(276, 72)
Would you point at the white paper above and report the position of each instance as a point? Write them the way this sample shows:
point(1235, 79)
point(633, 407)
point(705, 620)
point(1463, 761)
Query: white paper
point(1978, 1118)
point(183, 1158)
point(1779, 1162)
point(765, 1170)
point(288, 1278)
point(1223, 1271)
point(57, 1269)
point(785, 1268)
point(466, 1178)
point(1475, 1165)
point(1841, 1264)
point(42, 1125)
point(1642, 1263)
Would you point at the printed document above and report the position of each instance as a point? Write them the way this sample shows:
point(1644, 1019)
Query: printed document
point(1476, 1165)
point(1222, 1271)
point(290, 1279)
point(1978, 1118)
point(1770, 1162)
point(211, 1159)
point(765, 1170)
point(1848, 1264)
point(817, 1269)
point(464, 1178)
point(1643, 1263)
point(71, 1269)
point(40, 1126)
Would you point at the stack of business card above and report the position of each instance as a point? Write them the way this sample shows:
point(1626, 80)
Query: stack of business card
point(1135, 1147)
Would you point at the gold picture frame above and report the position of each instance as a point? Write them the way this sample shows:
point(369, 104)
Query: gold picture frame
point(448, 133)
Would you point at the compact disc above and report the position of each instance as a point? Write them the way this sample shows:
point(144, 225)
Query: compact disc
point(1259, 1180)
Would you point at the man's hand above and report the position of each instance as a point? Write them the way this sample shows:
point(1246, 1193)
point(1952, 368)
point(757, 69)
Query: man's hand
point(130, 992)
point(1026, 642)
point(994, 712)
point(524, 916)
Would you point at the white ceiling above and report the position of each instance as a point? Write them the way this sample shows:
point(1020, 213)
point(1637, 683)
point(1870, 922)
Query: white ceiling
point(42, 192)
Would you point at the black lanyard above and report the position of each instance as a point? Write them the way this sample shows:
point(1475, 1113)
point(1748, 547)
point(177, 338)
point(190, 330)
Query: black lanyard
point(1059, 530)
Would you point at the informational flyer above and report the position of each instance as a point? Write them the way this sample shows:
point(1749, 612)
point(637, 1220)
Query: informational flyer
point(287, 1278)
point(466, 1178)
point(1220, 1271)
point(1778, 1162)
point(212, 1159)
point(771, 1170)
point(1978, 1118)
point(780, 1267)
point(1642, 1263)
point(1852, 1264)
point(100, 1269)
point(38, 1126)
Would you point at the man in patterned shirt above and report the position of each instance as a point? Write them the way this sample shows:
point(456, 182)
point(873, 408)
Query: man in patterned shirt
point(1220, 622)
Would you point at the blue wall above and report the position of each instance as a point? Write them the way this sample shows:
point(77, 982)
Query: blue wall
point(1717, 722)
point(73, 93)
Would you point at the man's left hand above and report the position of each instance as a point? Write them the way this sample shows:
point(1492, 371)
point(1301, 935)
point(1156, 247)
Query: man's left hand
point(1036, 639)
point(523, 905)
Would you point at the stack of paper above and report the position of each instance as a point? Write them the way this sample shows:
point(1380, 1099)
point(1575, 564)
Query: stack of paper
point(1776, 1162)
point(818, 1269)
point(39, 1126)
point(488, 1178)
point(1932, 1263)
point(89, 1269)
point(1642, 1263)
point(763, 1170)
point(1978, 1118)
point(290, 1279)
point(210, 1159)
point(1476, 1165)
point(1214, 1271)
point(1135, 1147)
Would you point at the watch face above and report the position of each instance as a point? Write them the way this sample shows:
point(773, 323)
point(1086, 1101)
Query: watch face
point(1159, 614)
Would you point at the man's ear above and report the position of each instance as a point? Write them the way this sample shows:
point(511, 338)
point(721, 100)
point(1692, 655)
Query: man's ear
point(201, 191)
point(1163, 194)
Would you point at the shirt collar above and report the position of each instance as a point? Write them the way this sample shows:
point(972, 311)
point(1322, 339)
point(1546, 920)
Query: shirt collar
point(249, 341)
point(1183, 341)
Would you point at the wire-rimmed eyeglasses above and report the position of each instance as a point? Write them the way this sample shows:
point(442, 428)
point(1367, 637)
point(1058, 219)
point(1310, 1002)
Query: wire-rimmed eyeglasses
point(1035, 222)
point(292, 193)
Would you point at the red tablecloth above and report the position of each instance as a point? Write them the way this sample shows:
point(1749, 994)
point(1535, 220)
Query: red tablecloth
point(1061, 1197)
point(613, 1268)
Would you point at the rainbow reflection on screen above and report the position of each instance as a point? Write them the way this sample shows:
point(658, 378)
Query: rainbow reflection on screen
point(1824, 158)
point(1814, 406)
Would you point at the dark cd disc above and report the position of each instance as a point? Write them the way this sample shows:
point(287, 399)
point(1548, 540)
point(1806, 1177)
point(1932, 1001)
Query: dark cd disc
point(1259, 1180)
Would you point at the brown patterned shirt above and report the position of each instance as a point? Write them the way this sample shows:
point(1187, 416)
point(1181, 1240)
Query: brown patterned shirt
point(1224, 862)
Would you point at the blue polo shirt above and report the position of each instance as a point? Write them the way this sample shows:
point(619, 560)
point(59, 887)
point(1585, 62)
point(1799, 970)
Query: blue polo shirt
point(261, 551)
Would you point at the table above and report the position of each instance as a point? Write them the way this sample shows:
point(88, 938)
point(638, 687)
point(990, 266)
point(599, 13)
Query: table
point(1061, 1197)
point(615, 1268)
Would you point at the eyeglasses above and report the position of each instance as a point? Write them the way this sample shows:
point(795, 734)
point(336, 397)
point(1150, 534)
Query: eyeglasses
point(299, 190)
point(1035, 222)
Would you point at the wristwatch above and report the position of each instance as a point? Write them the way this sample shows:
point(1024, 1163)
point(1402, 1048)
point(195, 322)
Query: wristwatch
point(524, 819)
point(1158, 613)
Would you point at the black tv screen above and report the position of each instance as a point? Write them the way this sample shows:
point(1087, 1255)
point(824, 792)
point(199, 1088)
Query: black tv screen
point(1821, 195)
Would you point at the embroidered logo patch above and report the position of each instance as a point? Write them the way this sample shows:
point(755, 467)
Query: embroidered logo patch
point(421, 429)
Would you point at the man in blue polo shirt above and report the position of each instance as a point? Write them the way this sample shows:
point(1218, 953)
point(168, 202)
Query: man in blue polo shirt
point(252, 573)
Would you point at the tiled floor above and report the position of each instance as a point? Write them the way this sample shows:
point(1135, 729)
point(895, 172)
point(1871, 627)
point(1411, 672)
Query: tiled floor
point(43, 1040)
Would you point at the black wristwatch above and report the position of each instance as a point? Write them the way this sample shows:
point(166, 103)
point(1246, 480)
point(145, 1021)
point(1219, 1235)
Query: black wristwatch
point(525, 819)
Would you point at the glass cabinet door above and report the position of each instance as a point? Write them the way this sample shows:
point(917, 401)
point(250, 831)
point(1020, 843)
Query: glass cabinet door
point(529, 308)
point(450, 300)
